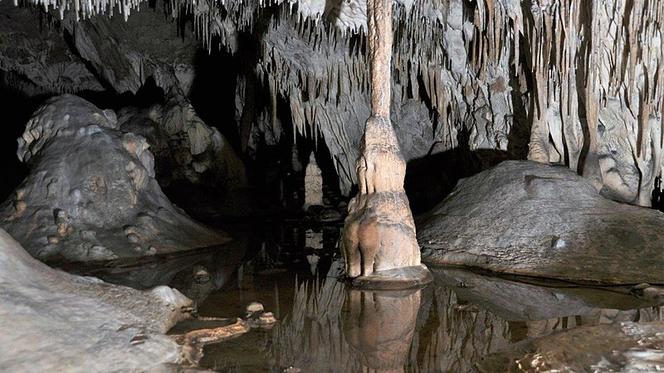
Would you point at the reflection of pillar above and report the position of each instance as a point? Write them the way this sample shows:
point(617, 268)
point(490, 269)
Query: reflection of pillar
point(379, 326)
point(313, 239)
point(313, 184)
point(296, 165)
point(313, 260)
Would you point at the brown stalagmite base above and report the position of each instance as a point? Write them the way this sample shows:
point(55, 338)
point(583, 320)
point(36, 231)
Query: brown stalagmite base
point(379, 241)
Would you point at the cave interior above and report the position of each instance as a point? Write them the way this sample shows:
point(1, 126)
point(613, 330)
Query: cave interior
point(338, 185)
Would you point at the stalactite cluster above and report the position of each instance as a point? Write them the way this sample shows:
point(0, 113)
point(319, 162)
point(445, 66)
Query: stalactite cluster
point(580, 81)
point(597, 100)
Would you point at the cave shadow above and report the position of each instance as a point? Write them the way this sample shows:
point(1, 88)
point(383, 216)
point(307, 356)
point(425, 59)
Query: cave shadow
point(430, 179)
point(212, 93)
point(14, 121)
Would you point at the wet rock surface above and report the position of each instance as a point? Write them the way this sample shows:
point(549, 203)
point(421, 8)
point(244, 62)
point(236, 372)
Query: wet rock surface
point(545, 221)
point(617, 347)
point(91, 193)
point(53, 321)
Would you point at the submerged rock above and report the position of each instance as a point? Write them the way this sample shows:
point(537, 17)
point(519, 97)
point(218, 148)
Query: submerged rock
point(91, 193)
point(54, 321)
point(546, 221)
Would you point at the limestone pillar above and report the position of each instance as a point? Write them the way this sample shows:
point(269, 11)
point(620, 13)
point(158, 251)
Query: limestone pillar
point(313, 184)
point(379, 242)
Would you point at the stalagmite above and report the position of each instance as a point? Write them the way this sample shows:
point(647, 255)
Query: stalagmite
point(379, 242)
point(313, 184)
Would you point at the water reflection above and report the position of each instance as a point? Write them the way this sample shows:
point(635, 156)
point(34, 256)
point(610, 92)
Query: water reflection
point(379, 326)
point(449, 326)
point(195, 273)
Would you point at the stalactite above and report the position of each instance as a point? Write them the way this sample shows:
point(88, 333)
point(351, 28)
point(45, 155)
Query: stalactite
point(583, 57)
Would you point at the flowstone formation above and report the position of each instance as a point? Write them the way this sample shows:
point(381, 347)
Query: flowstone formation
point(91, 193)
point(186, 149)
point(527, 218)
point(379, 242)
point(54, 321)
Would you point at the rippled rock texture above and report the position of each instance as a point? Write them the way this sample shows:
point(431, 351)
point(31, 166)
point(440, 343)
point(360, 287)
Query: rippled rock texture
point(53, 321)
point(91, 193)
point(540, 220)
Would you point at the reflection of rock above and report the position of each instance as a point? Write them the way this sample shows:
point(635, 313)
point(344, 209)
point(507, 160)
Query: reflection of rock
point(380, 326)
point(195, 273)
point(618, 347)
point(518, 301)
point(462, 318)
point(465, 316)
point(539, 220)
point(91, 194)
point(53, 321)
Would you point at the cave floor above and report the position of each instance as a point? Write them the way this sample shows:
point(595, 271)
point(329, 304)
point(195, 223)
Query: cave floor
point(462, 322)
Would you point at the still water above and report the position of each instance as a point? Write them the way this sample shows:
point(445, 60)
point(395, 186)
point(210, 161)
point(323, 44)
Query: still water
point(452, 325)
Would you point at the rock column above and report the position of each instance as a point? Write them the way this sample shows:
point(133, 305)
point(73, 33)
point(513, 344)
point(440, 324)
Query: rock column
point(379, 242)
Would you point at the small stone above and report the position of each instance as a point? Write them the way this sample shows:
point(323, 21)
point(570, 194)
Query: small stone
point(254, 307)
point(53, 239)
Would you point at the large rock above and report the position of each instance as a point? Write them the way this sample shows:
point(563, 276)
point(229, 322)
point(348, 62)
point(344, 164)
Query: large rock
point(91, 193)
point(54, 321)
point(541, 220)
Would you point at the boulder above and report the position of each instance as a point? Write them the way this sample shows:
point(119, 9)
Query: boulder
point(91, 193)
point(541, 220)
point(54, 321)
